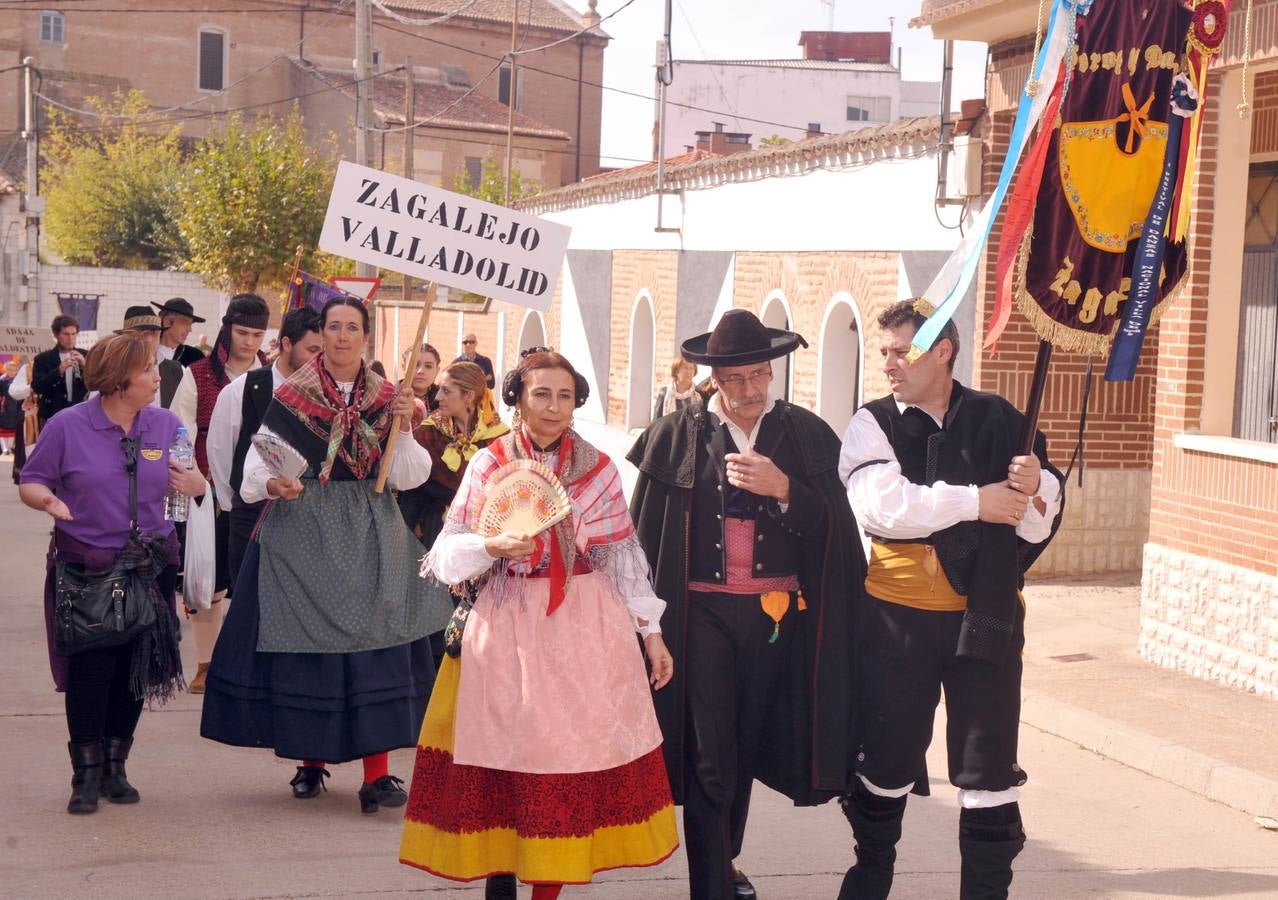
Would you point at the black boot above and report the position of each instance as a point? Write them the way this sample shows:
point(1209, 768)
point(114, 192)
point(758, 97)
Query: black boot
point(86, 782)
point(115, 784)
point(989, 839)
point(876, 826)
point(500, 887)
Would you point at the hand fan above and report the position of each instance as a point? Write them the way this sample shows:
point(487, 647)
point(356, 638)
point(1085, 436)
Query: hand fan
point(281, 460)
point(523, 496)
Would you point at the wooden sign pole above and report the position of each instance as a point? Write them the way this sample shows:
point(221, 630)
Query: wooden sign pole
point(384, 470)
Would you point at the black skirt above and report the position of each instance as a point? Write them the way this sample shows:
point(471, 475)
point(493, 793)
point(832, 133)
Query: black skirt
point(328, 707)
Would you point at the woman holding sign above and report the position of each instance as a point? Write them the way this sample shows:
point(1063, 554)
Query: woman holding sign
point(324, 656)
point(540, 754)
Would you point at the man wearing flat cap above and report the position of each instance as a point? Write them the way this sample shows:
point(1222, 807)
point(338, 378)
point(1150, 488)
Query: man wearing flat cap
point(176, 318)
point(753, 547)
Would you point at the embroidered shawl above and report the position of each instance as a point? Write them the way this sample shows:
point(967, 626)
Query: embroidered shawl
point(311, 405)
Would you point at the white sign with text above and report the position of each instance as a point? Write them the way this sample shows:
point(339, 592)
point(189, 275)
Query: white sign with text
point(435, 235)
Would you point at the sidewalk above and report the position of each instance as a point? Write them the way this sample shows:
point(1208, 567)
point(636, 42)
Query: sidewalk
point(1085, 683)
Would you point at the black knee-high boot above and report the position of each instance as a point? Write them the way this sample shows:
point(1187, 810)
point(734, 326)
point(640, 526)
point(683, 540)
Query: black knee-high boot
point(876, 826)
point(989, 839)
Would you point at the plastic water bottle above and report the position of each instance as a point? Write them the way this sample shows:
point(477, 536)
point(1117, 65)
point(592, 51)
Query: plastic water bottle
point(183, 453)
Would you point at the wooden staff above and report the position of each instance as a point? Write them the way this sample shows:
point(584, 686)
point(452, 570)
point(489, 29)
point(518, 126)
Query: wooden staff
point(292, 278)
point(431, 290)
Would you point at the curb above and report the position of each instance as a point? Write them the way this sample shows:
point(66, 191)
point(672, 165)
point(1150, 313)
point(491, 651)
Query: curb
point(1204, 775)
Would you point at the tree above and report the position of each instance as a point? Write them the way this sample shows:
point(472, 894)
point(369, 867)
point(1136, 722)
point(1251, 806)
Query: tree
point(492, 183)
point(774, 140)
point(109, 191)
point(249, 197)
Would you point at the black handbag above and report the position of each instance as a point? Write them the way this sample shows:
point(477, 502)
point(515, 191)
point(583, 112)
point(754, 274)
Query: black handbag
point(103, 609)
point(456, 627)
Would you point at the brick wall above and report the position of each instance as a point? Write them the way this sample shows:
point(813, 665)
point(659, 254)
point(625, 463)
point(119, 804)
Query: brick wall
point(633, 271)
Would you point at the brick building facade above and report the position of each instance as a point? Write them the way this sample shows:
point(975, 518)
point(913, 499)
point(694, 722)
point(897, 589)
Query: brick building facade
point(218, 56)
point(1182, 453)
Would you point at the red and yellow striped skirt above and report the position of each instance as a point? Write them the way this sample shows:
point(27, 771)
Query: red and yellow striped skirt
point(467, 822)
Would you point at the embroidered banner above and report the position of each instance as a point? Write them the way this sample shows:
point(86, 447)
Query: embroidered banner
point(1103, 169)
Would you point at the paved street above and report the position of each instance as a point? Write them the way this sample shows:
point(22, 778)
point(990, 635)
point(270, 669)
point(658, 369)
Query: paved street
point(218, 822)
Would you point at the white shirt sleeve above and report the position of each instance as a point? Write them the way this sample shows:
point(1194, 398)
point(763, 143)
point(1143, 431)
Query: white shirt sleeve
point(1036, 527)
point(626, 568)
point(886, 503)
point(457, 556)
point(224, 434)
point(410, 464)
point(185, 402)
point(20, 387)
point(253, 484)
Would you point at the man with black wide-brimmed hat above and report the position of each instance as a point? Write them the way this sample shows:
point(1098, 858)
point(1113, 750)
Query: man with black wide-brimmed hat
point(754, 548)
point(176, 318)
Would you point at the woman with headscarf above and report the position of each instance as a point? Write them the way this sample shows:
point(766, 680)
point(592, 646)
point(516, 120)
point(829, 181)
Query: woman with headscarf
point(540, 753)
point(325, 657)
point(237, 350)
point(465, 422)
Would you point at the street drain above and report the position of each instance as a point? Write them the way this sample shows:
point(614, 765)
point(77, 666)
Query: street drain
point(1073, 657)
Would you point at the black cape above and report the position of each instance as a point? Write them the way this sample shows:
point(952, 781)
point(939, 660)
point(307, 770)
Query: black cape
point(808, 750)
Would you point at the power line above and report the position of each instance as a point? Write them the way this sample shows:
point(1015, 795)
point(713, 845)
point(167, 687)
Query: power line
point(423, 23)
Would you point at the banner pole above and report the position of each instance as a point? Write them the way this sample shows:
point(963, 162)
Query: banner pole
point(384, 469)
point(292, 279)
point(1038, 386)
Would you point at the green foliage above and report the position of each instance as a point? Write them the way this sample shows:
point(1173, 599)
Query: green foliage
point(109, 192)
point(249, 197)
point(492, 183)
point(774, 141)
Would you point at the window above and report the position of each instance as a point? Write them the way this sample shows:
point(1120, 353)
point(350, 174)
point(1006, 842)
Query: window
point(503, 89)
point(475, 171)
point(869, 109)
point(1255, 398)
point(53, 27)
point(212, 60)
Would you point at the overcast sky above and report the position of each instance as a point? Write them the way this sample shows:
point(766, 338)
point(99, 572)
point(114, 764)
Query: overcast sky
point(734, 29)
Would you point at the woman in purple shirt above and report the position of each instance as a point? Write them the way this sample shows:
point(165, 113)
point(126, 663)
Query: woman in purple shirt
point(77, 475)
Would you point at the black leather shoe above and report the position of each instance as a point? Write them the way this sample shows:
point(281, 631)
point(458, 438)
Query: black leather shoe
point(500, 887)
point(115, 784)
point(86, 780)
point(308, 783)
point(385, 791)
point(742, 889)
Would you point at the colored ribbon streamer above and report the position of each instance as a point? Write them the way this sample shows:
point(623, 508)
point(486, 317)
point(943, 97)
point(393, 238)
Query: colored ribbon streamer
point(1020, 211)
point(1130, 337)
point(950, 285)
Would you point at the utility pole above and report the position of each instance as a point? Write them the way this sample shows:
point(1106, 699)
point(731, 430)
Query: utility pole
point(32, 201)
point(410, 117)
point(363, 136)
point(511, 95)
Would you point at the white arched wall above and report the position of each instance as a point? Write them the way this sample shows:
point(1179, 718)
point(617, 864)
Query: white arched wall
point(643, 361)
point(776, 314)
point(532, 332)
point(840, 362)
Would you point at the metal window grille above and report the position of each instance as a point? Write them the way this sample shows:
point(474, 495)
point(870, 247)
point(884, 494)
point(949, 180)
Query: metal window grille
point(1256, 385)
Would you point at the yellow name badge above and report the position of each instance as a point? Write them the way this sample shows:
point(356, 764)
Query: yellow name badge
point(152, 455)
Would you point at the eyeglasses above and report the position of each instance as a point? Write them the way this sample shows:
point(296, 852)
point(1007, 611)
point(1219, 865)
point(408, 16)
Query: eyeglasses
point(469, 342)
point(736, 381)
point(529, 351)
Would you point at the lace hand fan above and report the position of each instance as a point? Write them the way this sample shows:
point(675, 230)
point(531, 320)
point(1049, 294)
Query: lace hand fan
point(523, 496)
point(281, 460)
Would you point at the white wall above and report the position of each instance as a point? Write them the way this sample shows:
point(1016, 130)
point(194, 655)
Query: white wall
point(787, 96)
point(821, 210)
point(132, 287)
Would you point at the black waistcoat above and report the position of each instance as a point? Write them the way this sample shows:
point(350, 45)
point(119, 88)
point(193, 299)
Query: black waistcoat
point(713, 500)
point(929, 453)
point(170, 378)
point(259, 386)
